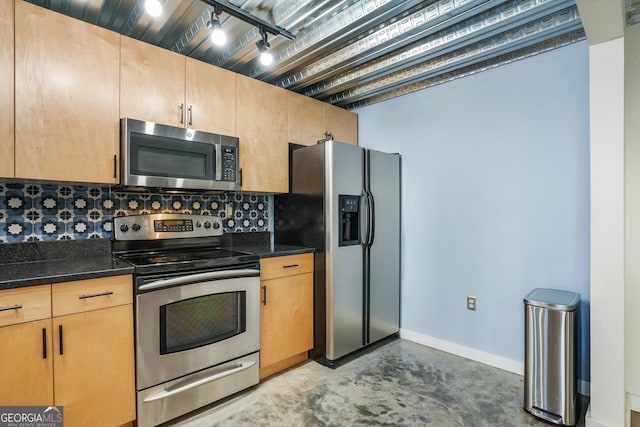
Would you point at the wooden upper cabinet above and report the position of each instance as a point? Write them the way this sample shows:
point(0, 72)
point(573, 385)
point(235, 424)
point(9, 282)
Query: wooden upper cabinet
point(66, 97)
point(152, 83)
point(307, 119)
point(261, 122)
point(161, 86)
point(211, 93)
point(343, 124)
point(6, 89)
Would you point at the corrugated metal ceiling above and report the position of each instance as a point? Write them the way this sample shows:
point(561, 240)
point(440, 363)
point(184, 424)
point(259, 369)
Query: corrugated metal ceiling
point(350, 53)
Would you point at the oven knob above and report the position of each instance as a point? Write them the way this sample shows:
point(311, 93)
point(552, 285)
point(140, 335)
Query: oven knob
point(198, 225)
point(135, 226)
point(124, 228)
point(207, 224)
point(216, 225)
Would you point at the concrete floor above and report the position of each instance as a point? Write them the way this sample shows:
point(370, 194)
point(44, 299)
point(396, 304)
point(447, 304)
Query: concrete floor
point(398, 384)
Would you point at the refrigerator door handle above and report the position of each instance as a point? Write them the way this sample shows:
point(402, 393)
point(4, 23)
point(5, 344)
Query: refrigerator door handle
point(371, 219)
point(365, 216)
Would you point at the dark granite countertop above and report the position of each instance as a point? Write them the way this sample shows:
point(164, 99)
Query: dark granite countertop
point(268, 250)
point(31, 273)
point(36, 263)
point(259, 243)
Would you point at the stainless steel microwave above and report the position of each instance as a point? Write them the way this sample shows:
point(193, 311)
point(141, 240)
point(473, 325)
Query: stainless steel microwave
point(167, 157)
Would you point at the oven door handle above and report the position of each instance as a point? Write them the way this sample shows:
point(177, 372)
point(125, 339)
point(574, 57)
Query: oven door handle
point(200, 277)
point(172, 391)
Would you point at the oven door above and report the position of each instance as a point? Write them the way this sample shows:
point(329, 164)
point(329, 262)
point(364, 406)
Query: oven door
point(189, 323)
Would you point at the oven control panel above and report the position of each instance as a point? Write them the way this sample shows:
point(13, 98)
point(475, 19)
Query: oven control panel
point(165, 226)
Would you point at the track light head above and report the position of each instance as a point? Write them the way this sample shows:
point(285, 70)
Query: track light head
point(218, 36)
point(266, 58)
point(153, 8)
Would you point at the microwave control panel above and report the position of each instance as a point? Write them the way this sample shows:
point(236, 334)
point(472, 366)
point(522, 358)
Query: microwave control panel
point(229, 163)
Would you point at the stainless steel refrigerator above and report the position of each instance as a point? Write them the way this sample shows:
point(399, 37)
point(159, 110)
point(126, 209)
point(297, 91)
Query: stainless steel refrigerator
point(345, 201)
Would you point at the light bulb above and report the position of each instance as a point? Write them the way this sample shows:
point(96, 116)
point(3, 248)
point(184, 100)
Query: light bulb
point(218, 36)
point(153, 7)
point(266, 58)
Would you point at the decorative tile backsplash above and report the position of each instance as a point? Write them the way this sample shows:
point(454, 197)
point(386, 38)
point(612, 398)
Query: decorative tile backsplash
point(34, 211)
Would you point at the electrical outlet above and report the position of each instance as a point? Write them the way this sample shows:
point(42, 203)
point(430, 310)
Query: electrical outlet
point(471, 303)
point(229, 213)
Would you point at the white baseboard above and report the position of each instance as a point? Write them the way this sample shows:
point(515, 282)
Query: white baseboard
point(592, 422)
point(490, 359)
point(467, 352)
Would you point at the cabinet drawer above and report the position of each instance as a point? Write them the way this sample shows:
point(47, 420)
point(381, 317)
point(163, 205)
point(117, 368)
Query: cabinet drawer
point(25, 304)
point(289, 265)
point(91, 294)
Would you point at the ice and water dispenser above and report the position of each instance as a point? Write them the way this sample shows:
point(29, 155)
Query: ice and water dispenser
point(349, 220)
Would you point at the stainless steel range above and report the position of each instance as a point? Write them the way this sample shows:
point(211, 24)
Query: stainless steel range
point(197, 313)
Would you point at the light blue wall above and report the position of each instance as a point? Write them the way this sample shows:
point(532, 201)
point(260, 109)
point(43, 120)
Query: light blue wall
point(495, 196)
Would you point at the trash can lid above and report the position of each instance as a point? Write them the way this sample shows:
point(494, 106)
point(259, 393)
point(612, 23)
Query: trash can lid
point(553, 298)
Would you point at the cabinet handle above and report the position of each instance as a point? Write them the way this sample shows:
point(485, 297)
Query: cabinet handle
point(264, 295)
point(291, 266)
point(60, 333)
point(11, 307)
point(101, 294)
point(115, 165)
point(181, 114)
point(44, 343)
point(190, 115)
point(240, 177)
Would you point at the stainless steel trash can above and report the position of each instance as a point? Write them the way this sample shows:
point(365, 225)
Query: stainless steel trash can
point(551, 355)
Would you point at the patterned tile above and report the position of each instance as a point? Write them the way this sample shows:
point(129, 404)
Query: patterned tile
point(38, 211)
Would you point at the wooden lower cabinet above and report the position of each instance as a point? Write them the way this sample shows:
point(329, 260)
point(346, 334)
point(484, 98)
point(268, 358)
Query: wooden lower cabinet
point(83, 360)
point(26, 364)
point(94, 375)
point(286, 315)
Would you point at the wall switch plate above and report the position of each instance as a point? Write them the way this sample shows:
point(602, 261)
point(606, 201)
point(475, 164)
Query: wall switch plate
point(471, 303)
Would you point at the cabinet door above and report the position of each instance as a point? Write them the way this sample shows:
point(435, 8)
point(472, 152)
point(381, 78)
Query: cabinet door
point(211, 94)
point(343, 124)
point(26, 364)
point(261, 121)
point(152, 83)
point(307, 119)
point(66, 95)
point(94, 367)
point(286, 320)
point(6, 89)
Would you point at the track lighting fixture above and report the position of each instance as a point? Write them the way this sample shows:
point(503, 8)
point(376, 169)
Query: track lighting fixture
point(266, 58)
point(218, 36)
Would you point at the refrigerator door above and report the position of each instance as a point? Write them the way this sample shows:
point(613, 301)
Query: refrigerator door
point(343, 263)
point(384, 251)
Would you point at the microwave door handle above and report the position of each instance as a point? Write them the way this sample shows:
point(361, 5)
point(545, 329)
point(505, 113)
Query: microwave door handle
point(218, 162)
point(171, 390)
point(200, 277)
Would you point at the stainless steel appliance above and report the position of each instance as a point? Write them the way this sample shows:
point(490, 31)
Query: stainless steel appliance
point(158, 156)
point(345, 200)
point(197, 313)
